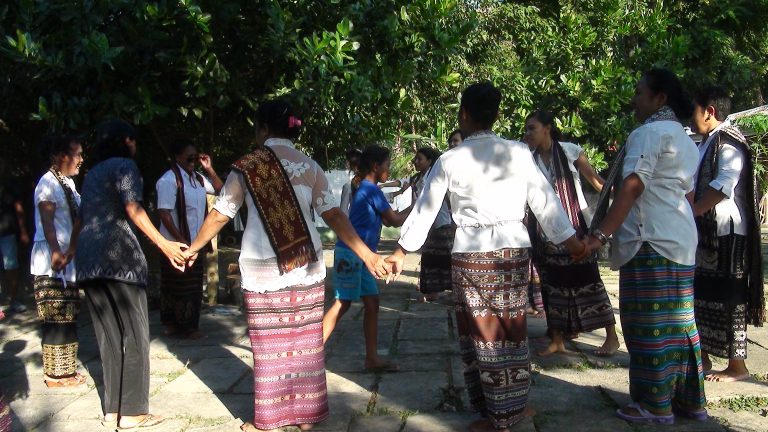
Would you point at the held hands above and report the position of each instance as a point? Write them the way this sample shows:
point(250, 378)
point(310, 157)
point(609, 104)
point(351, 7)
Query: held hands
point(377, 266)
point(176, 253)
point(59, 260)
point(395, 261)
point(592, 244)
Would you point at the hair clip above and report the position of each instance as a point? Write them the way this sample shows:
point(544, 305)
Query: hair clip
point(293, 122)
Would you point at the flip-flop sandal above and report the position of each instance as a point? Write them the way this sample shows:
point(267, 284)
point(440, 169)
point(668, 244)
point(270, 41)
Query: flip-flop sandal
point(693, 415)
point(645, 416)
point(149, 422)
point(72, 381)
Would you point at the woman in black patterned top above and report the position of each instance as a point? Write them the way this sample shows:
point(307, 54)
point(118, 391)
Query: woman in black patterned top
point(112, 270)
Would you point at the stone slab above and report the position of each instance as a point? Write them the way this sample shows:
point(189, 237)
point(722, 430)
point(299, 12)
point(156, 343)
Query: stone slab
point(384, 423)
point(411, 391)
point(350, 382)
point(424, 329)
point(411, 347)
point(444, 422)
point(216, 375)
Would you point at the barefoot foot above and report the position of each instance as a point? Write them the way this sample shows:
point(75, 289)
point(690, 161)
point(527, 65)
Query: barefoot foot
point(608, 349)
point(553, 348)
point(727, 375)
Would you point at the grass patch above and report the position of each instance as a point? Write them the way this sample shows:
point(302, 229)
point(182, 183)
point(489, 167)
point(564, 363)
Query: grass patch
point(742, 403)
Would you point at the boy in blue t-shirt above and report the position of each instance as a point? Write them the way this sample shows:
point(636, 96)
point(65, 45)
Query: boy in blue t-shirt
point(368, 209)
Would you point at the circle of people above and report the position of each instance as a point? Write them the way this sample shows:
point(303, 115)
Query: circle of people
point(501, 223)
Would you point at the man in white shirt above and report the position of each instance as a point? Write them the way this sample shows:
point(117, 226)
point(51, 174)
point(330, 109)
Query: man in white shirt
point(728, 285)
point(489, 181)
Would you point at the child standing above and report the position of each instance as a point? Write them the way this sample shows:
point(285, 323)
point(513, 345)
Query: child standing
point(351, 279)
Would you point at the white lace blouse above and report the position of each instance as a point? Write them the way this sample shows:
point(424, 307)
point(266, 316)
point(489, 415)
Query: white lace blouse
point(258, 264)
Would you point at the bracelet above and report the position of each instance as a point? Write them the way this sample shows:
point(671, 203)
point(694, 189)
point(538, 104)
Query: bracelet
point(599, 235)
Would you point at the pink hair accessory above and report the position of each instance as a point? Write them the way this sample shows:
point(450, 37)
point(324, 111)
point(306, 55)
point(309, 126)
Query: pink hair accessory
point(293, 122)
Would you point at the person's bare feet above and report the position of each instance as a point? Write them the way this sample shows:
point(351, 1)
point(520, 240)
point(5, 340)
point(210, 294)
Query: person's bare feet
point(609, 348)
point(727, 375)
point(381, 365)
point(552, 348)
point(144, 421)
point(306, 426)
point(706, 363)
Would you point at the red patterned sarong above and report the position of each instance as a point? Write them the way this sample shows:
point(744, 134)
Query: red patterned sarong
point(286, 332)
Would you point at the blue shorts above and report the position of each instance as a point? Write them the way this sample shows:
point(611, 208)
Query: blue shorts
point(9, 252)
point(351, 279)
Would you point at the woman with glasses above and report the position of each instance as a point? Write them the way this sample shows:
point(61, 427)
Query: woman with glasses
point(182, 206)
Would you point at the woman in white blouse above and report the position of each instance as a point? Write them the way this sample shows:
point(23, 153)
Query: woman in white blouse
point(654, 247)
point(575, 299)
point(489, 181)
point(57, 206)
point(284, 306)
point(182, 205)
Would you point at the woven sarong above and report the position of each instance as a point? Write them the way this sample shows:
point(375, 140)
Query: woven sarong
point(490, 295)
point(575, 299)
point(535, 298)
point(181, 296)
point(286, 332)
point(721, 297)
point(656, 301)
point(57, 308)
point(435, 273)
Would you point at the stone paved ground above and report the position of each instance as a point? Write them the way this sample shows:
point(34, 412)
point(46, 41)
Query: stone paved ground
point(206, 385)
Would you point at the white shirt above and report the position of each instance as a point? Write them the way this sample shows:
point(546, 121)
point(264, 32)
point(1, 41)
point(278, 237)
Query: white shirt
point(664, 158)
point(346, 194)
point(572, 152)
point(48, 189)
point(489, 180)
point(194, 198)
point(730, 164)
point(258, 263)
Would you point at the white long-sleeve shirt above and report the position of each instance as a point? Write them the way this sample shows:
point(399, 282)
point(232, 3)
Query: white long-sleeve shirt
point(664, 158)
point(730, 163)
point(489, 180)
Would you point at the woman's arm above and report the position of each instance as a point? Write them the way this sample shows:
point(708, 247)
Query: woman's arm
point(392, 218)
point(207, 165)
point(629, 191)
point(582, 164)
point(47, 211)
point(167, 219)
point(172, 250)
point(212, 225)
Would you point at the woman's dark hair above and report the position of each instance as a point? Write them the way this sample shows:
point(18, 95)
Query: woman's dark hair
point(111, 138)
point(665, 81)
point(279, 117)
point(717, 97)
point(178, 146)
point(546, 118)
point(430, 154)
point(481, 101)
point(457, 131)
point(55, 145)
point(372, 154)
point(353, 158)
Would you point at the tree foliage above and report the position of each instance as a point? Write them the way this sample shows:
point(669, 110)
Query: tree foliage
point(360, 71)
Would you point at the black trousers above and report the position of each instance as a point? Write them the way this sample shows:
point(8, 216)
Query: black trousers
point(121, 321)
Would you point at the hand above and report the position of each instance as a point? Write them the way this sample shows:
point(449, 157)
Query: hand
point(24, 239)
point(58, 260)
point(191, 257)
point(175, 252)
point(592, 244)
point(70, 254)
point(396, 260)
point(205, 162)
point(581, 253)
point(376, 265)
